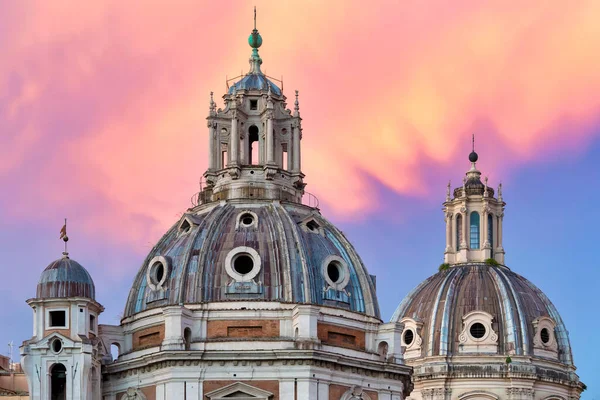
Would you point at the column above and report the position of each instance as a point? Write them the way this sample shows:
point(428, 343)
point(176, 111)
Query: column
point(448, 231)
point(500, 216)
point(483, 234)
point(211, 145)
point(234, 142)
point(322, 390)
point(296, 149)
point(307, 389)
point(270, 140)
point(465, 235)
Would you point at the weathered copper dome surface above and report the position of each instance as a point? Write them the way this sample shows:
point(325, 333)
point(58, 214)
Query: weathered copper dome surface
point(293, 241)
point(65, 278)
point(443, 299)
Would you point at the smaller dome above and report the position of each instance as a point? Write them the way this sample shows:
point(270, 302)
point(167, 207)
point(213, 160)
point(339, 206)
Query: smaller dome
point(255, 82)
point(65, 278)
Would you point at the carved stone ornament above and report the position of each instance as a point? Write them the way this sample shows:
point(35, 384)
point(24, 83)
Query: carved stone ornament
point(355, 393)
point(133, 394)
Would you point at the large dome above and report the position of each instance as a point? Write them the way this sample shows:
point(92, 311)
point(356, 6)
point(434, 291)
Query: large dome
point(443, 306)
point(253, 250)
point(65, 278)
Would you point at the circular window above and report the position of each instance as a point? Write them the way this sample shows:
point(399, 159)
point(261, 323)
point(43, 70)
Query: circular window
point(545, 335)
point(336, 272)
point(284, 131)
point(157, 272)
point(409, 336)
point(242, 263)
point(56, 345)
point(477, 330)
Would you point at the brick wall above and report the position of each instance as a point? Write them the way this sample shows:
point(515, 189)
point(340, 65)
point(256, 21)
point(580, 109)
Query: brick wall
point(340, 336)
point(270, 386)
point(243, 328)
point(64, 332)
point(148, 337)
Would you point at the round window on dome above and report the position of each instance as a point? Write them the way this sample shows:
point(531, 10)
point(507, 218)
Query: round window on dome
point(246, 219)
point(242, 264)
point(545, 335)
point(477, 330)
point(57, 345)
point(157, 272)
point(409, 336)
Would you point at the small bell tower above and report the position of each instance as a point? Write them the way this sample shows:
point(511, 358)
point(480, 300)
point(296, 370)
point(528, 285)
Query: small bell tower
point(473, 219)
point(254, 143)
point(62, 360)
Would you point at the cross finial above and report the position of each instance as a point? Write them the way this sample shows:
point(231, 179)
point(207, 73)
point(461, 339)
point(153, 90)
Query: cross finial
point(254, 17)
point(473, 142)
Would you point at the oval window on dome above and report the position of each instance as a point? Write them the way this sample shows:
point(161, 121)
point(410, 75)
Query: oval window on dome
point(156, 275)
point(336, 272)
point(545, 335)
point(409, 336)
point(477, 330)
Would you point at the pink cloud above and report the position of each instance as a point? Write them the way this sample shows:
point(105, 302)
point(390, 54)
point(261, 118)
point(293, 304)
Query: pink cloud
point(105, 104)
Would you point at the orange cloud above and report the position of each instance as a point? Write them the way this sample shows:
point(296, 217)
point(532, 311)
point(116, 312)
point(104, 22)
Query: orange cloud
point(118, 92)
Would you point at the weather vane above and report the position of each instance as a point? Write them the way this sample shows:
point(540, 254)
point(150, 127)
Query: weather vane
point(64, 237)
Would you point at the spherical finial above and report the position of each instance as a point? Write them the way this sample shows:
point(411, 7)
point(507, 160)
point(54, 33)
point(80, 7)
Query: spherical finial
point(473, 157)
point(255, 40)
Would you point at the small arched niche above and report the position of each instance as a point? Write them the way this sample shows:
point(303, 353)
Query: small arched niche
point(187, 338)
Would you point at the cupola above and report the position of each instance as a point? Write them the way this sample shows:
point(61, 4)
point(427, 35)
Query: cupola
point(254, 142)
point(65, 278)
point(473, 218)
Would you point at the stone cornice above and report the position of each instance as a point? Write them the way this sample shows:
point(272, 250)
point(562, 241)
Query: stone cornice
point(166, 359)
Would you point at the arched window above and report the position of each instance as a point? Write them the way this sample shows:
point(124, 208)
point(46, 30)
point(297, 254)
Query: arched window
point(459, 232)
point(253, 145)
point(115, 350)
point(490, 232)
point(474, 230)
point(58, 382)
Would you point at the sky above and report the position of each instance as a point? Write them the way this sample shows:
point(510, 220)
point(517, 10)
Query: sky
point(102, 120)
